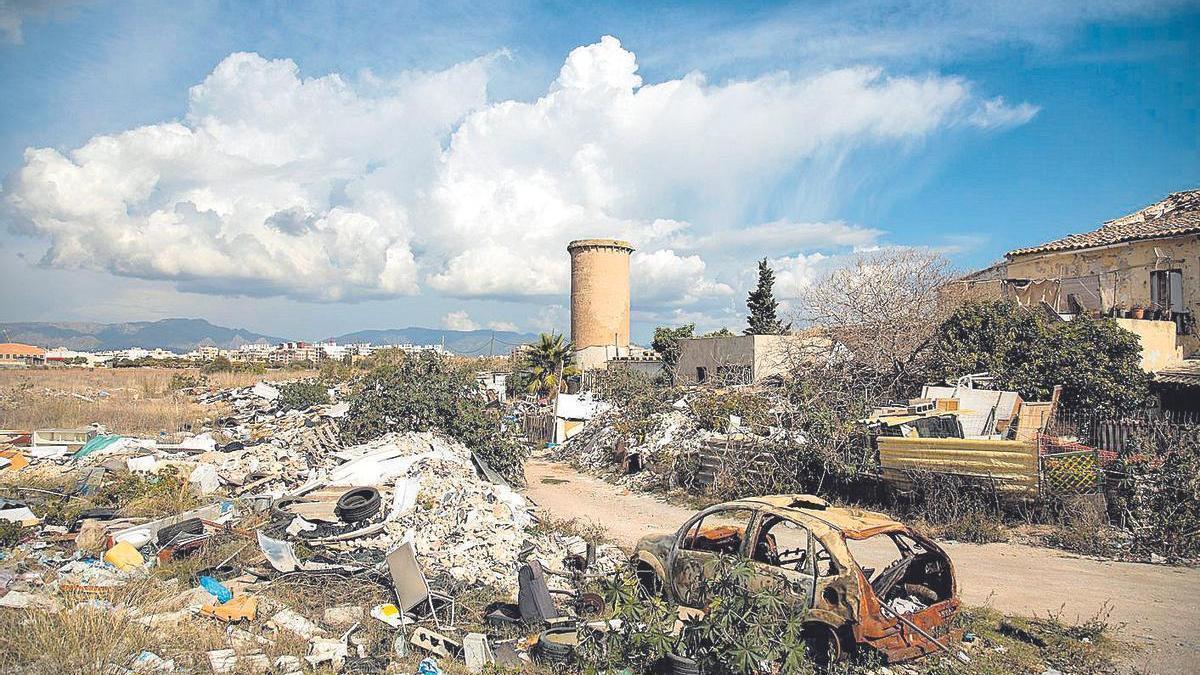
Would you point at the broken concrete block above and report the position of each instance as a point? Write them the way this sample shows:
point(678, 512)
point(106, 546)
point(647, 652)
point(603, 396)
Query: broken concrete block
point(296, 623)
point(322, 650)
point(477, 652)
point(435, 642)
point(222, 660)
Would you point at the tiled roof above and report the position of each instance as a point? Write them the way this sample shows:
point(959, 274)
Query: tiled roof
point(1186, 372)
point(1175, 215)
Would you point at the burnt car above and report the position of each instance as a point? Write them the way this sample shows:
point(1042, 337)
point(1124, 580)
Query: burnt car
point(840, 566)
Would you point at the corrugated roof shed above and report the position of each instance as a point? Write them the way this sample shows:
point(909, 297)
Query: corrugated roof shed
point(1177, 214)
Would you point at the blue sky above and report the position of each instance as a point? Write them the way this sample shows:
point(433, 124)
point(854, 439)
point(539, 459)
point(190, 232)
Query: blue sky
point(366, 167)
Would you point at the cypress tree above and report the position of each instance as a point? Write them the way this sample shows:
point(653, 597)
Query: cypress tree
point(763, 319)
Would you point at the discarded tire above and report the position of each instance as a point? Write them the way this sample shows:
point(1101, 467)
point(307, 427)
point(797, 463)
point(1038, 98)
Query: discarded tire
point(358, 504)
point(189, 526)
point(279, 508)
point(680, 665)
point(557, 645)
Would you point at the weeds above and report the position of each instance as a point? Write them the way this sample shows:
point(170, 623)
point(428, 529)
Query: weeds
point(591, 532)
point(747, 625)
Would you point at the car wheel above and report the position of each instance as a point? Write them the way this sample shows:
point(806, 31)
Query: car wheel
point(822, 644)
point(651, 583)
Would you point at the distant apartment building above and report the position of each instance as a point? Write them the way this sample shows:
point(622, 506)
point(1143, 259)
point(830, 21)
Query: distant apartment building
point(64, 356)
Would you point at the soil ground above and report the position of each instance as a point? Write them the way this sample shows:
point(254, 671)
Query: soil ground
point(1158, 605)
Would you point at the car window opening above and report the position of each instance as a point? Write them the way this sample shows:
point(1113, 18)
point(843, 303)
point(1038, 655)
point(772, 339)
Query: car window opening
point(903, 573)
point(720, 532)
point(782, 543)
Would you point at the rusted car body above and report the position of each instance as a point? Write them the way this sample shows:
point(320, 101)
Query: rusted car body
point(807, 548)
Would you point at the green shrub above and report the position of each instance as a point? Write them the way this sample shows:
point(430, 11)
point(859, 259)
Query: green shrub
point(749, 626)
point(636, 399)
point(1097, 362)
point(181, 381)
point(302, 395)
point(713, 408)
point(423, 392)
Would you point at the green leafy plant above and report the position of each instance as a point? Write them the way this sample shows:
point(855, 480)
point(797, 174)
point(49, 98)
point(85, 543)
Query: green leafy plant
point(547, 365)
point(666, 343)
point(302, 395)
point(181, 381)
point(636, 400)
point(1096, 361)
point(712, 408)
point(748, 626)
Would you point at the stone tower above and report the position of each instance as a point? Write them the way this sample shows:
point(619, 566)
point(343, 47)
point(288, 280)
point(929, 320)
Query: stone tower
point(599, 292)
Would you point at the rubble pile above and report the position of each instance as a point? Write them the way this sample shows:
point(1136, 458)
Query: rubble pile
point(595, 448)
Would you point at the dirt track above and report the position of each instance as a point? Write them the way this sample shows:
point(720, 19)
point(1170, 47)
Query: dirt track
point(1159, 605)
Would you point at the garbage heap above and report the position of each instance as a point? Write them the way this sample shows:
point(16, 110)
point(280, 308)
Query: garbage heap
point(672, 447)
point(298, 502)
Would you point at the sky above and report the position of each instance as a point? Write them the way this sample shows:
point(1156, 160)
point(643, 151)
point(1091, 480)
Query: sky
point(311, 169)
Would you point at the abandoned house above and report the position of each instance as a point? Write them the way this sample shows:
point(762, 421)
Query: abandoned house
point(1142, 269)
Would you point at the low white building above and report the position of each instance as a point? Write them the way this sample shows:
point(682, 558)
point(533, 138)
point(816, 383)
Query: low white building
point(743, 359)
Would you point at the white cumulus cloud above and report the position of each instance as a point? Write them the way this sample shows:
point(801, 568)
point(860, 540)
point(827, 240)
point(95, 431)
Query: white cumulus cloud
point(329, 188)
point(458, 320)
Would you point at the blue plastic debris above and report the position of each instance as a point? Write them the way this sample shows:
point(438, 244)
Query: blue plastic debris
point(216, 588)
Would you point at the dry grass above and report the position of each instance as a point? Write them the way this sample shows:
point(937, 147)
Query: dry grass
point(139, 401)
point(83, 638)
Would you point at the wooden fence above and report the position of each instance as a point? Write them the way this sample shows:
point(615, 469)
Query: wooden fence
point(539, 429)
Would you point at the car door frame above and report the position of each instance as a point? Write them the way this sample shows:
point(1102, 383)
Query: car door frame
point(807, 599)
point(674, 563)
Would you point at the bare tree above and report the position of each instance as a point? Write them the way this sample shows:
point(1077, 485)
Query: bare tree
point(883, 309)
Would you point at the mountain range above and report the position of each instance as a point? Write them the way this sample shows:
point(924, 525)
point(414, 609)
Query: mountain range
point(183, 335)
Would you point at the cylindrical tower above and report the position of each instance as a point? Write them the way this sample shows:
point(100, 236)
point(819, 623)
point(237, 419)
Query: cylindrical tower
point(599, 292)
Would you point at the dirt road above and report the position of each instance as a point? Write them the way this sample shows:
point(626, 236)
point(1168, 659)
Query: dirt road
point(1159, 605)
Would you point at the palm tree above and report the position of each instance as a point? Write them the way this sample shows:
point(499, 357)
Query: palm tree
point(549, 364)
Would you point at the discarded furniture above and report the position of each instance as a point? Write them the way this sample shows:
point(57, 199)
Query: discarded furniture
point(412, 589)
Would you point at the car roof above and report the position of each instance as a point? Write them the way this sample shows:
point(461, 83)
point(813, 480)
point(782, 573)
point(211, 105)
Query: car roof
point(812, 510)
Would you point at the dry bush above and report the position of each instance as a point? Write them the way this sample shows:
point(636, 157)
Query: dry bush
point(955, 507)
point(131, 401)
point(884, 308)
